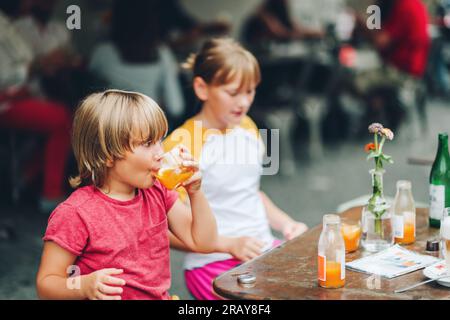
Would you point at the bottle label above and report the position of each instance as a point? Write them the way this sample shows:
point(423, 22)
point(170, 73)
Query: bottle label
point(437, 201)
point(398, 226)
point(322, 270)
point(342, 265)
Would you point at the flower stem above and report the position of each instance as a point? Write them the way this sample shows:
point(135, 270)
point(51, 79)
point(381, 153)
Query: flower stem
point(378, 226)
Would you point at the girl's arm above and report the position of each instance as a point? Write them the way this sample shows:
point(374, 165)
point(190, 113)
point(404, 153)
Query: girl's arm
point(280, 221)
point(53, 282)
point(242, 248)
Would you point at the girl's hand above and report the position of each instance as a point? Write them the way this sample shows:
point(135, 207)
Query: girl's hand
point(193, 184)
point(97, 285)
point(293, 229)
point(246, 248)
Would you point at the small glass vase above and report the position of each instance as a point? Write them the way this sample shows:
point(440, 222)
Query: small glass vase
point(377, 233)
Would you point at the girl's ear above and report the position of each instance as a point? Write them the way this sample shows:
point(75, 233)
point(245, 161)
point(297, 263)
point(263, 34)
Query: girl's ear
point(200, 88)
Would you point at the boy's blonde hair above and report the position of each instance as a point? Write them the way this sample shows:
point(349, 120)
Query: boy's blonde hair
point(222, 60)
point(106, 125)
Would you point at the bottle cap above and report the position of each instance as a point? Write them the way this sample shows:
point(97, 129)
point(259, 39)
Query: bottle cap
point(246, 279)
point(404, 184)
point(331, 219)
point(432, 245)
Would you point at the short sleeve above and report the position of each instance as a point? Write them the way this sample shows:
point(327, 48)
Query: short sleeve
point(170, 198)
point(183, 135)
point(248, 124)
point(67, 229)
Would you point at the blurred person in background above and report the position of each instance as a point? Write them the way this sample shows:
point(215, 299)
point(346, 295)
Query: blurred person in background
point(437, 75)
point(94, 23)
point(181, 31)
point(403, 44)
point(136, 59)
point(272, 22)
point(21, 111)
point(270, 27)
point(61, 74)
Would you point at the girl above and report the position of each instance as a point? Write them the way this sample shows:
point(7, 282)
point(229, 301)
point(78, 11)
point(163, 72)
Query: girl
point(225, 142)
point(112, 232)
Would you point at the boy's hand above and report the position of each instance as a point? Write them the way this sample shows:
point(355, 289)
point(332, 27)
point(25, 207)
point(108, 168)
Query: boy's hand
point(246, 248)
point(293, 229)
point(97, 285)
point(193, 184)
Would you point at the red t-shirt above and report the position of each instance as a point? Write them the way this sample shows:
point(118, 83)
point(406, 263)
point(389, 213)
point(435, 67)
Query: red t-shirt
point(130, 235)
point(407, 26)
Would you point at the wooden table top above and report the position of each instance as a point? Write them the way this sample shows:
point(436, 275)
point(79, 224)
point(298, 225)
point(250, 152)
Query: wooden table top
point(290, 272)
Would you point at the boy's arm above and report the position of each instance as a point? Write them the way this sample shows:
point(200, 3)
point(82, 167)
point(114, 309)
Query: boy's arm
point(280, 221)
point(195, 228)
point(176, 243)
point(52, 280)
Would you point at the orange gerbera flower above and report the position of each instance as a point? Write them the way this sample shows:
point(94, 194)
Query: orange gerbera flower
point(368, 147)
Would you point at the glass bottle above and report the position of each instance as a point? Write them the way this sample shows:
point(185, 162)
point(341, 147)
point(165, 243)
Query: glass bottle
point(404, 214)
point(376, 218)
point(331, 253)
point(445, 240)
point(440, 182)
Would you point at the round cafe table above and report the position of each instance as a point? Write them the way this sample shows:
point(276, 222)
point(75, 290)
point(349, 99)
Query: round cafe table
point(289, 271)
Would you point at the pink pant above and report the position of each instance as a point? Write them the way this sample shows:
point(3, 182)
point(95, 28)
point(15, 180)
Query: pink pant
point(199, 281)
point(54, 121)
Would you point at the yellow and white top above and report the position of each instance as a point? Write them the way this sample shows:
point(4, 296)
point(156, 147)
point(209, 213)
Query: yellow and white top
point(231, 165)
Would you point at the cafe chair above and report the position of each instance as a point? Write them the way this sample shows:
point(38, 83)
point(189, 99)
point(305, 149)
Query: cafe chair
point(14, 150)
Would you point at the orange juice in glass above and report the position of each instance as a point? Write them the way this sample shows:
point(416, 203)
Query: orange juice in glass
point(351, 232)
point(172, 174)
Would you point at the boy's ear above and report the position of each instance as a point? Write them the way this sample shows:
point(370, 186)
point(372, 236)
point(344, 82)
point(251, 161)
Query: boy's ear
point(200, 88)
point(109, 163)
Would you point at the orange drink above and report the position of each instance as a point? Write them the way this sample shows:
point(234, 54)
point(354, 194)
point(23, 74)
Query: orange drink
point(171, 178)
point(331, 253)
point(351, 234)
point(409, 234)
point(404, 214)
point(331, 277)
point(172, 173)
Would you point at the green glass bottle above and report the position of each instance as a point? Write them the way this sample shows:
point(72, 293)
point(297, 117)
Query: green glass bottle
point(440, 182)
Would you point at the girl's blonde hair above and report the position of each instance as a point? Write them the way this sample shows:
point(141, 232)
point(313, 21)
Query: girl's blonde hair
point(107, 125)
point(222, 60)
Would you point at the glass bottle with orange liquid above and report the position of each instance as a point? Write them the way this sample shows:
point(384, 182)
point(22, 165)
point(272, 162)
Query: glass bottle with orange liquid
point(331, 253)
point(404, 214)
point(172, 173)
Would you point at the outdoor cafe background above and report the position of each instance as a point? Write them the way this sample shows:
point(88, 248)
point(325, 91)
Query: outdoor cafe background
point(323, 127)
